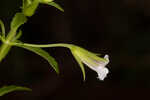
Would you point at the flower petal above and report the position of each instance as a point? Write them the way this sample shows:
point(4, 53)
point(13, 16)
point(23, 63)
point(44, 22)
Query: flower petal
point(102, 73)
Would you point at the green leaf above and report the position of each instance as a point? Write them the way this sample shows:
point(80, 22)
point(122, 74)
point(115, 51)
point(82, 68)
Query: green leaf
point(18, 20)
point(43, 54)
point(29, 7)
point(2, 28)
point(7, 89)
point(55, 5)
point(80, 64)
point(45, 1)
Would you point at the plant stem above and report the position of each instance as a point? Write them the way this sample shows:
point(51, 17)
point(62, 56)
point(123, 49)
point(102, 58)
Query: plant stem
point(45, 45)
point(5, 47)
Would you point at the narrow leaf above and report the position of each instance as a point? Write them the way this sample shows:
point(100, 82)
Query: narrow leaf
point(55, 5)
point(80, 64)
point(2, 28)
point(7, 89)
point(18, 20)
point(43, 54)
point(45, 1)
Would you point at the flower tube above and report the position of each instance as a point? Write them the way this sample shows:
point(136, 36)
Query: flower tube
point(92, 61)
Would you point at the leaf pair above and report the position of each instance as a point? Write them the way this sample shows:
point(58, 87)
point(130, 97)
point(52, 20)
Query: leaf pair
point(17, 21)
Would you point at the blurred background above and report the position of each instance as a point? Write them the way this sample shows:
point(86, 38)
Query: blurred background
point(120, 28)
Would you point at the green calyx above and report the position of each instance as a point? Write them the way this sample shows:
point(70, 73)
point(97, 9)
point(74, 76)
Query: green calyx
point(29, 7)
point(87, 54)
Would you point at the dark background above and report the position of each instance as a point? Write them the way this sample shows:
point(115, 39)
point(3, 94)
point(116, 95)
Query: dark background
point(120, 28)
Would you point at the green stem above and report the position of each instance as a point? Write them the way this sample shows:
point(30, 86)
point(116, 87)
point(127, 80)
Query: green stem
point(5, 47)
point(45, 45)
point(11, 35)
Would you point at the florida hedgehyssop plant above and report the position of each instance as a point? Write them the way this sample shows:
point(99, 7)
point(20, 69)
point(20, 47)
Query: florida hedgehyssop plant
point(82, 56)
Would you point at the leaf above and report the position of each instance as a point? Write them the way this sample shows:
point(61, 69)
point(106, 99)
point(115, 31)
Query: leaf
point(2, 28)
point(43, 54)
point(80, 64)
point(18, 20)
point(29, 7)
point(55, 5)
point(45, 1)
point(7, 89)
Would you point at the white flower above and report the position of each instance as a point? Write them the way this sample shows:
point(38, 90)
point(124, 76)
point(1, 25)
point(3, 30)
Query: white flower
point(102, 70)
point(92, 61)
point(99, 67)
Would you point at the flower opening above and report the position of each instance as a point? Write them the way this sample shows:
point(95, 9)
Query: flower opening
point(99, 67)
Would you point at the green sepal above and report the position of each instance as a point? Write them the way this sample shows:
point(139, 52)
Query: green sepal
point(7, 89)
point(29, 7)
point(43, 54)
point(80, 64)
point(88, 53)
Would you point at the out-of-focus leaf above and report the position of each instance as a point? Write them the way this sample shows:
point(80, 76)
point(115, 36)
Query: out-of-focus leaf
point(18, 20)
point(29, 7)
point(45, 1)
point(55, 5)
point(43, 54)
point(7, 89)
point(2, 28)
